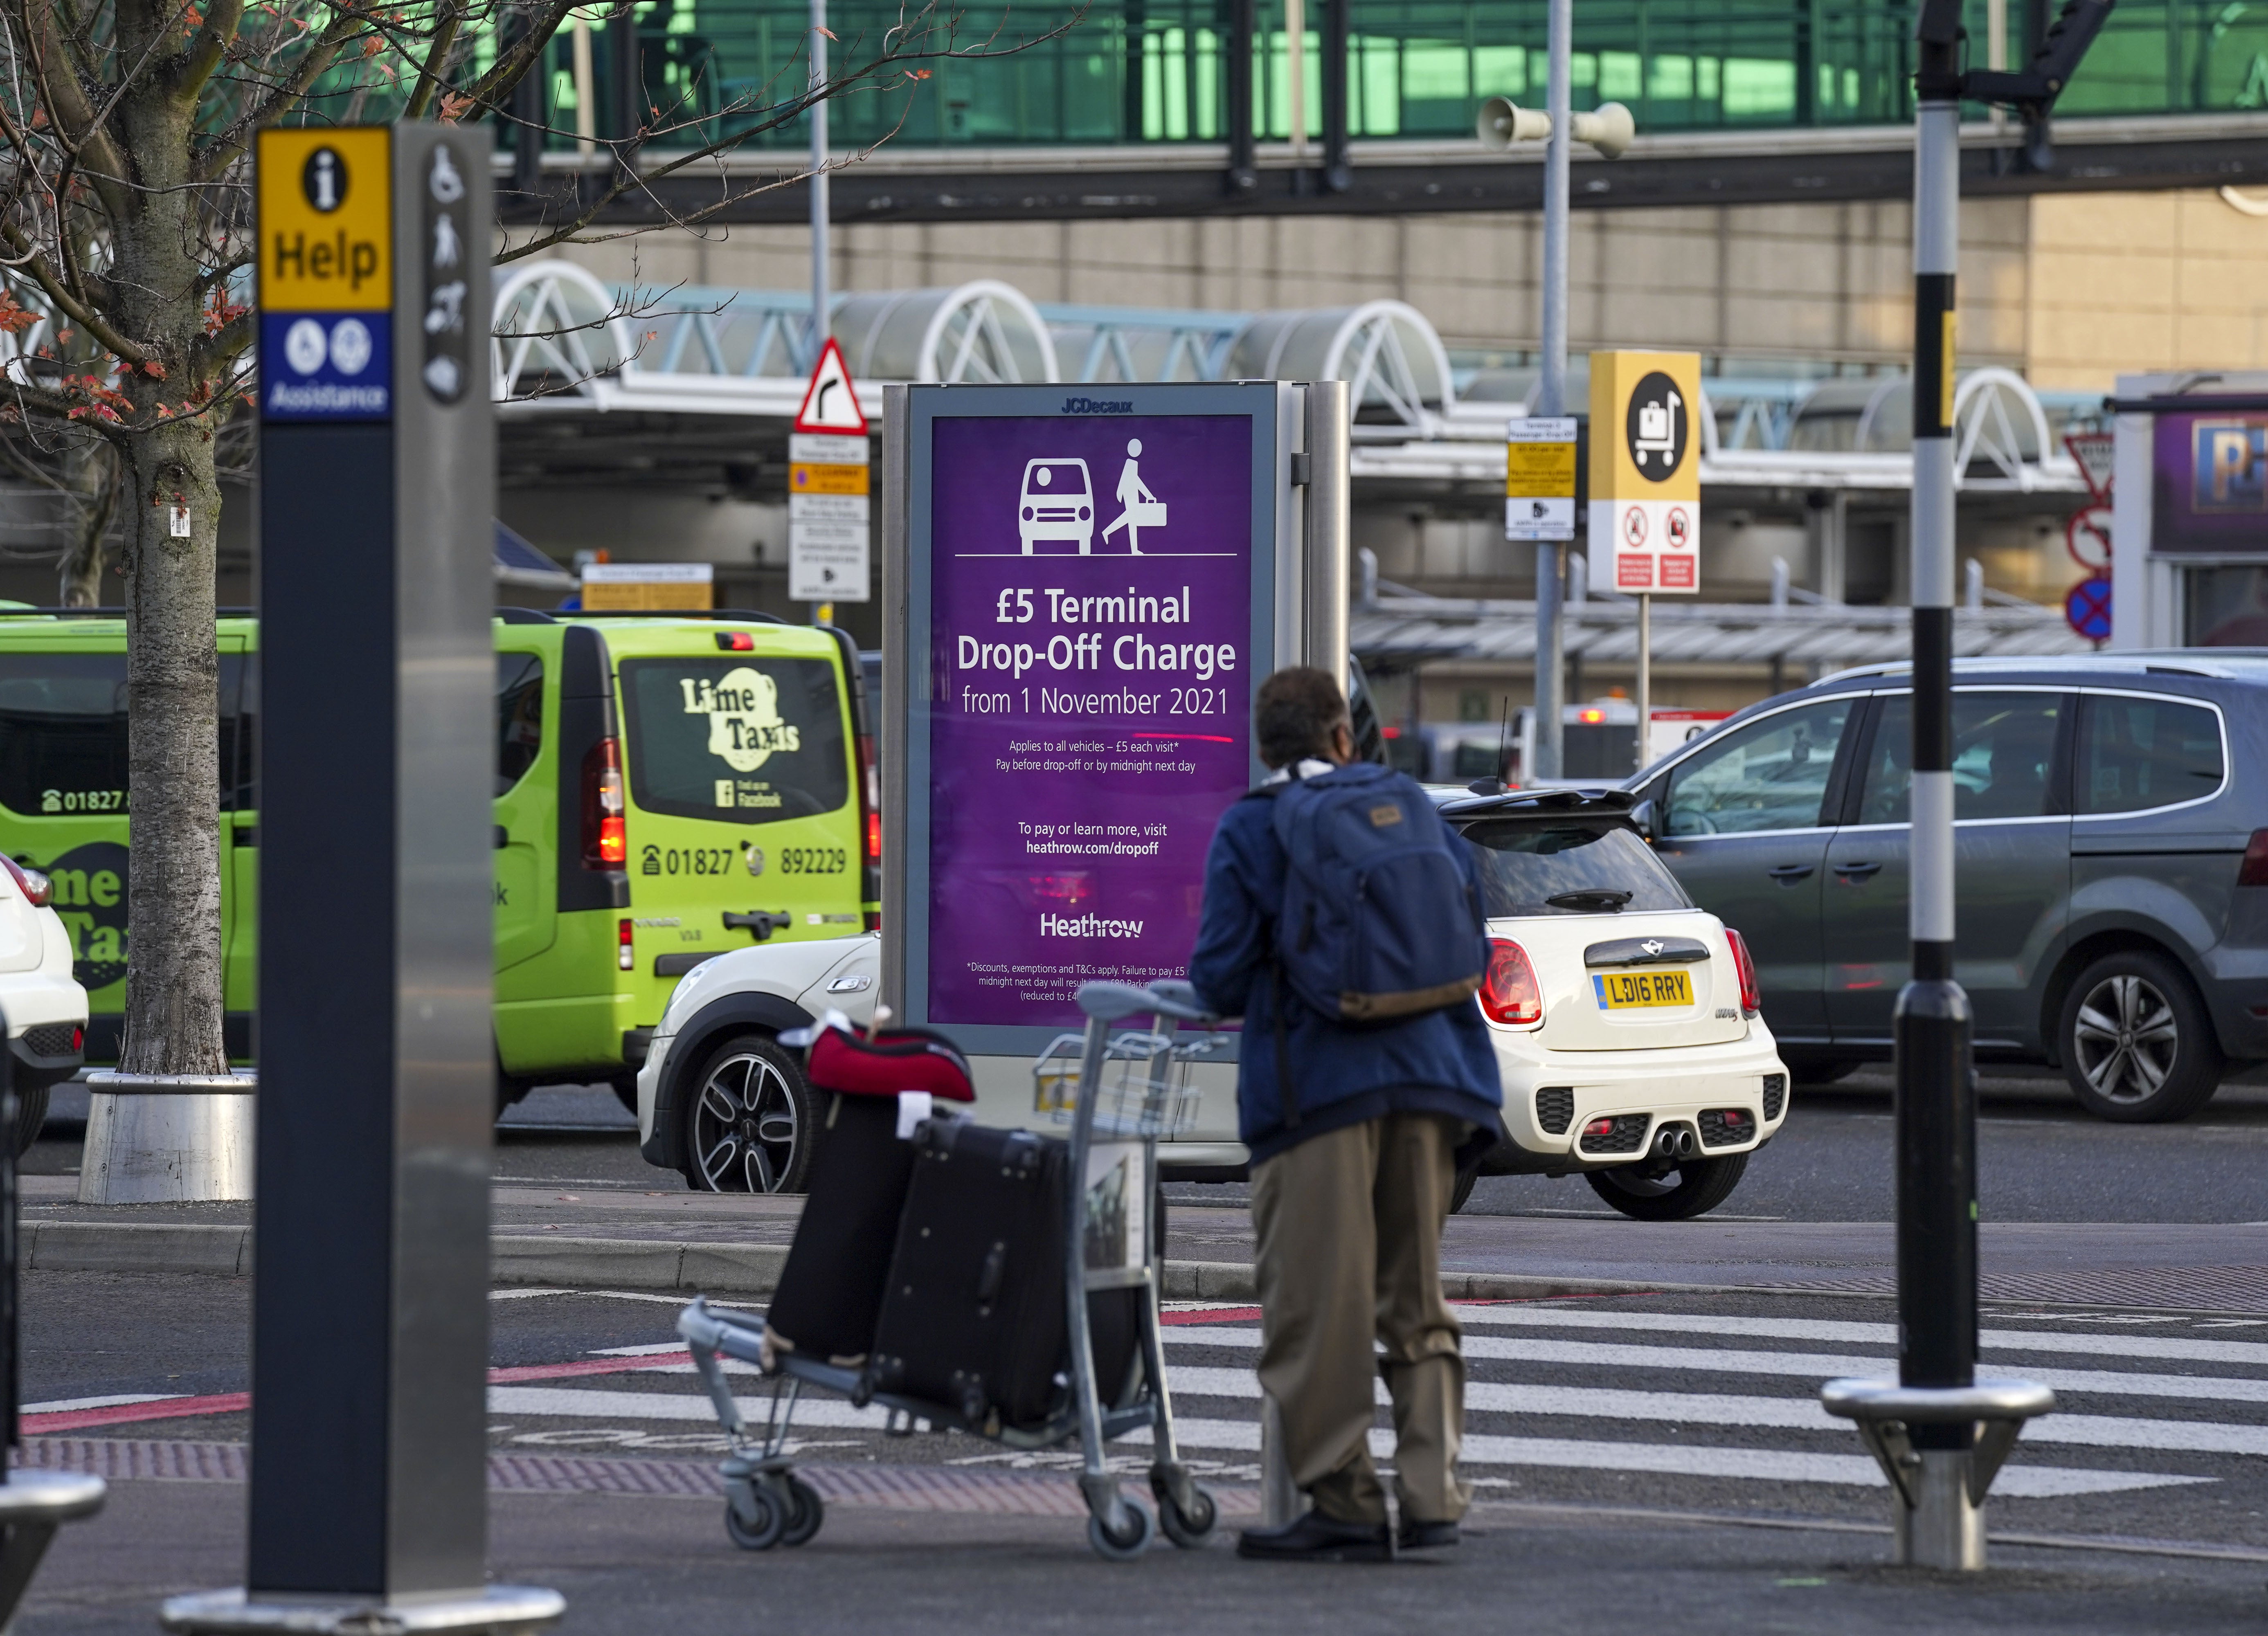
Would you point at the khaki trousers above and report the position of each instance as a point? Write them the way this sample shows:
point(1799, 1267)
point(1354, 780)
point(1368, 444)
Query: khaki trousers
point(1348, 1241)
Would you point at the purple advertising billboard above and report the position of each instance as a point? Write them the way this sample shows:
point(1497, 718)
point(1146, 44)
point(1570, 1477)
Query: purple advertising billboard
point(1092, 639)
point(2210, 483)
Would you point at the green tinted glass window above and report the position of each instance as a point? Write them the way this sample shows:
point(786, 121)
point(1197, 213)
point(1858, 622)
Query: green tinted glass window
point(745, 739)
point(2146, 753)
point(519, 716)
point(2003, 744)
point(1771, 775)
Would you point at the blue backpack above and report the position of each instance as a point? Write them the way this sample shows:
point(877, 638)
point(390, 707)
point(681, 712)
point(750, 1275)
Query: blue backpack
point(1379, 923)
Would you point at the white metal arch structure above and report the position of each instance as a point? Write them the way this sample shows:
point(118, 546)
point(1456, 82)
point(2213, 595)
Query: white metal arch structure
point(556, 333)
point(982, 331)
point(1998, 417)
point(1390, 355)
point(1126, 344)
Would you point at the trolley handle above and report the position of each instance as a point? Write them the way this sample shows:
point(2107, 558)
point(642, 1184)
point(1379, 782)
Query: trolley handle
point(1168, 996)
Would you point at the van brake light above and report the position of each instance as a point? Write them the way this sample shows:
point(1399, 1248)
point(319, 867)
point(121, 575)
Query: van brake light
point(1744, 966)
point(625, 956)
point(606, 835)
point(1508, 991)
point(36, 888)
point(2254, 870)
point(736, 641)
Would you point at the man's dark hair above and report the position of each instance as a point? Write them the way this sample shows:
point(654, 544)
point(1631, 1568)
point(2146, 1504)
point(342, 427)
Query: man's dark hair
point(1294, 712)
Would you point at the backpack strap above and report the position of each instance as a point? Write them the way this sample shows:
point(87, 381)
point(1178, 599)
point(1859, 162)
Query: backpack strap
point(1280, 990)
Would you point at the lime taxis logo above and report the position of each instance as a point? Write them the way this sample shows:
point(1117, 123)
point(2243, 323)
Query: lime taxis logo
point(745, 729)
point(90, 899)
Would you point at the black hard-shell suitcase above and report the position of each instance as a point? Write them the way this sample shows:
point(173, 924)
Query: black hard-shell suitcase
point(973, 1317)
point(830, 1291)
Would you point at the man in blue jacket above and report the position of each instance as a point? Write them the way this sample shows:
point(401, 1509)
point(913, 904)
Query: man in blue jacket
point(1353, 1162)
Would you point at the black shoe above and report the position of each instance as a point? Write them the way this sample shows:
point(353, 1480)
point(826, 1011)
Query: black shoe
point(1315, 1538)
point(1418, 1535)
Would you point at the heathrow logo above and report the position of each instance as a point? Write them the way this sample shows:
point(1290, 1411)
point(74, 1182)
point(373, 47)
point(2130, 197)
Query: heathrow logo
point(1098, 406)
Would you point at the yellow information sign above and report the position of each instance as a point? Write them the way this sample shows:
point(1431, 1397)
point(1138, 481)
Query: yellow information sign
point(1645, 470)
point(326, 220)
point(804, 479)
point(1539, 471)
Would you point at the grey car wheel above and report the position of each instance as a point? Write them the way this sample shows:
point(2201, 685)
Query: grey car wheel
point(749, 1126)
point(2138, 1047)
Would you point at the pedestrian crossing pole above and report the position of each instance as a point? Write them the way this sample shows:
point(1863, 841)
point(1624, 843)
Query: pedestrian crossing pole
point(1936, 1106)
point(1938, 1433)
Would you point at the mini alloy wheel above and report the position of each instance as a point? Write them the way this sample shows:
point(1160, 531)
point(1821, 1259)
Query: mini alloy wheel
point(750, 1127)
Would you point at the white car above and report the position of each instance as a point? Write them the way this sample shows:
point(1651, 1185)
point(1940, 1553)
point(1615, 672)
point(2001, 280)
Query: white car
point(1624, 1020)
point(45, 1008)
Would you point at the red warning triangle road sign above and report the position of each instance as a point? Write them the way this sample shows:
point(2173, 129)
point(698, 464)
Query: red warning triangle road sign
point(830, 405)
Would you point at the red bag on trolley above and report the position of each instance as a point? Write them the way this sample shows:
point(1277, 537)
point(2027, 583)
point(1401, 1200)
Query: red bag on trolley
point(878, 1084)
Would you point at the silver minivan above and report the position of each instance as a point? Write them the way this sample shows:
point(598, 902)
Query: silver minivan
point(2111, 871)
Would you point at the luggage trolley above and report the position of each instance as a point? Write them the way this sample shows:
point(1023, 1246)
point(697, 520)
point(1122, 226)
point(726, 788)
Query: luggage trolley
point(1119, 1093)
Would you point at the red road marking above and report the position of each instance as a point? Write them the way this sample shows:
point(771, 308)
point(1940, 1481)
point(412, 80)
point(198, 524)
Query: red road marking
point(238, 1402)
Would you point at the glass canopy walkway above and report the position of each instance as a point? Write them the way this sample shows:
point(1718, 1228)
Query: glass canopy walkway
point(1166, 71)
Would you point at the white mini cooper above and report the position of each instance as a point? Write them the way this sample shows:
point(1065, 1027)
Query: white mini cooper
point(1624, 1019)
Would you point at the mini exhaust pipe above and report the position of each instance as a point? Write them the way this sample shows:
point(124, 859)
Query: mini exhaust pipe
point(1677, 1142)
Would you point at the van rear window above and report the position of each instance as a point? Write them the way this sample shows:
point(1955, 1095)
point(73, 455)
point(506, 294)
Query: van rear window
point(62, 733)
point(745, 739)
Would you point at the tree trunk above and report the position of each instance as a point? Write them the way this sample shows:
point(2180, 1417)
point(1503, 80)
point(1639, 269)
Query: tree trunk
point(173, 1001)
point(90, 477)
point(173, 959)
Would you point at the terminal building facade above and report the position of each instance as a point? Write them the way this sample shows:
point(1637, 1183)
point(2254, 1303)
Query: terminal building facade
point(1174, 189)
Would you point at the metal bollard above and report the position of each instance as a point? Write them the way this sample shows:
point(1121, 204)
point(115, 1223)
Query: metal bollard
point(1279, 1501)
point(166, 1138)
point(1937, 1494)
point(33, 1504)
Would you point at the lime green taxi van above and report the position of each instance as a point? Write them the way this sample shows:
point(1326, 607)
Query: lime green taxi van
point(669, 788)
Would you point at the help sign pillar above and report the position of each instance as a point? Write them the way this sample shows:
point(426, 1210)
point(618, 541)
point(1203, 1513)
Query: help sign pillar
point(368, 1496)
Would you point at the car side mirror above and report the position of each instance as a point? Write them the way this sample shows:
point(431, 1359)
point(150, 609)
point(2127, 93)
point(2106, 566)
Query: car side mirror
point(1642, 816)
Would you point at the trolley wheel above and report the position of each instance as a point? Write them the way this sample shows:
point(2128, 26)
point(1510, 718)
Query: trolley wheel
point(1129, 1544)
point(807, 1511)
point(762, 1526)
point(1188, 1530)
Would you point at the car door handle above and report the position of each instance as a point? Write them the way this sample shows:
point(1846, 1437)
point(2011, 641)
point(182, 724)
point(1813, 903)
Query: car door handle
point(1789, 873)
point(1857, 871)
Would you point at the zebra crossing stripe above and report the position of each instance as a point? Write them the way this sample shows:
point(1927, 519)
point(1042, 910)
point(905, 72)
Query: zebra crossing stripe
point(2182, 1347)
point(1709, 1409)
point(1815, 1366)
point(1481, 1449)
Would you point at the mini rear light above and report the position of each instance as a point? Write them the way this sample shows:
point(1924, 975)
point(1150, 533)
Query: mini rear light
point(36, 888)
point(1600, 1127)
point(1744, 966)
point(2254, 870)
point(606, 835)
point(1508, 992)
point(79, 1040)
point(736, 641)
point(623, 955)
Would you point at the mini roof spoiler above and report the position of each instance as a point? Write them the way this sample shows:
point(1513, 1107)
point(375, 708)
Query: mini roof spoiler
point(1514, 801)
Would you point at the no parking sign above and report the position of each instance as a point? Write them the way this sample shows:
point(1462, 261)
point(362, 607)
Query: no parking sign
point(2087, 608)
